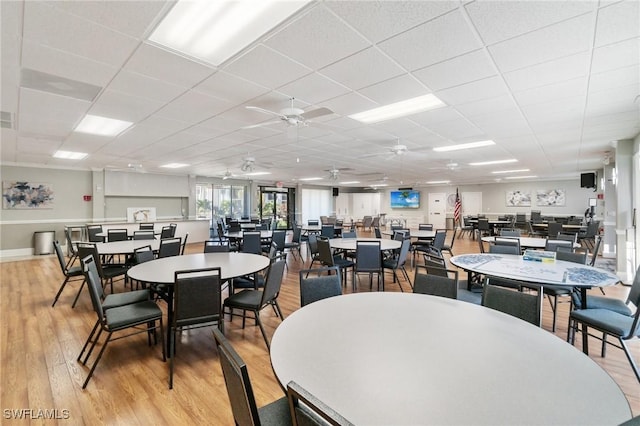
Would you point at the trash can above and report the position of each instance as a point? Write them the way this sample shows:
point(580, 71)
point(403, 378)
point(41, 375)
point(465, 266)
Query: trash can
point(449, 222)
point(43, 242)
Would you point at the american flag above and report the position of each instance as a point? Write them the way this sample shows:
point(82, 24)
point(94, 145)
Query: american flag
point(457, 209)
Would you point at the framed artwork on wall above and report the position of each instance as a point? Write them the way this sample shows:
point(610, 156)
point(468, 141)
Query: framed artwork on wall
point(26, 195)
point(518, 199)
point(141, 214)
point(550, 197)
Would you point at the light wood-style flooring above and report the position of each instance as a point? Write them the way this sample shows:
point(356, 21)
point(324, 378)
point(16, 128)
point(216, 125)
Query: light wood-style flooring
point(40, 344)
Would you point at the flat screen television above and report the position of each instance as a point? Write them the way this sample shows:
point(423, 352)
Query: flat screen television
point(405, 199)
point(588, 180)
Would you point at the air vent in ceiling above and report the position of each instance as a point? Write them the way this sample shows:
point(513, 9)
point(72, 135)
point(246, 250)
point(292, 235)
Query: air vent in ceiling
point(44, 82)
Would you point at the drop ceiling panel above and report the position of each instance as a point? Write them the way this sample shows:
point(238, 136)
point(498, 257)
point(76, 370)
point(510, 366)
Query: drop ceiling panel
point(491, 105)
point(163, 65)
point(314, 88)
point(438, 40)
point(618, 22)
point(556, 91)
point(193, 107)
point(617, 55)
point(317, 39)
point(626, 76)
point(150, 130)
point(457, 130)
point(230, 87)
point(380, 20)
point(508, 123)
point(498, 21)
point(116, 104)
point(52, 27)
point(131, 17)
point(395, 89)
point(348, 71)
point(554, 71)
point(477, 90)
point(267, 67)
point(143, 86)
point(59, 114)
point(462, 69)
point(552, 42)
point(350, 103)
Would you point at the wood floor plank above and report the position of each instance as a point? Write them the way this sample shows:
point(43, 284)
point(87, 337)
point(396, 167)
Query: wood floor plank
point(130, 383)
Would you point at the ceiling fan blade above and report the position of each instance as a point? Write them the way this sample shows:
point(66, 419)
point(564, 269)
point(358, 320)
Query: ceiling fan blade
point(319, 112)
point(266, 123)
point(264, 111)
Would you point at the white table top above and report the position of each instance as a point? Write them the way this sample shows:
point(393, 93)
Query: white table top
point(318, 228)
point(526, 242)
point(432, 360)
point(564, 226)
point(238, 235)
point(161, 271)
point(492, 221)
point(350, 243)
point(413, 233)
point(126, 247)
point(557, 273)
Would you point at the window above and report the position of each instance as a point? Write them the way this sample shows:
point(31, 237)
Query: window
point(220, 201)
point(316, 203)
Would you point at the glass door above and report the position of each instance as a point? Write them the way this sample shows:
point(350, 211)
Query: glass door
point(278, 204)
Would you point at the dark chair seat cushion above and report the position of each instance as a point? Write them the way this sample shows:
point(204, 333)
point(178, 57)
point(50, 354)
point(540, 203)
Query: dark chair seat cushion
point(553, 290)
point(245, 299)
point(609, 303)
point(276, 413)
point(606, 320)
point(138, 313)
point(120, 299)
point(74, 271)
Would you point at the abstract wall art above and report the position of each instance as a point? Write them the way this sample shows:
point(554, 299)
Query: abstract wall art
point(550, 197)
point(26, 195)
point(518, 199)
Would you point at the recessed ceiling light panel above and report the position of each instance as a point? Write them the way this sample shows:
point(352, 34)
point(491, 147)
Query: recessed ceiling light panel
point(102, 126)
point(499, 172)
point(174, 165)
point(486, 163)
point(464, 146)
point(399, 109)
point(70, 155)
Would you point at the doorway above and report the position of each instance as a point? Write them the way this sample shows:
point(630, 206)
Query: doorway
point(437, 206)
point(278, 204)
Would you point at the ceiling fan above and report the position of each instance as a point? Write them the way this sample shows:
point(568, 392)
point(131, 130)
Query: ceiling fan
point(391, 152)
point(292, 116)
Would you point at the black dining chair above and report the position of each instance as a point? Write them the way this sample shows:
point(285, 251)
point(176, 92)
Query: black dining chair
point(368, 261)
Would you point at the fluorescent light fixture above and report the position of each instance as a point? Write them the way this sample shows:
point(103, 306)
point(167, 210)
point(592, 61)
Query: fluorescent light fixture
point(310, 179)
point(257, 173)
point(521, 177)
point(464, 146)
point(351, 182)
point(214, 31)
point(102, 126)
point(399, 109)
point(174, 165)
point(438, 181)
point(378, 185)
point(486, 163)
point(499, 172)
point(70, 155)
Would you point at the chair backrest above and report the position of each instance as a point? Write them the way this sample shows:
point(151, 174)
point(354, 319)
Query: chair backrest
point(575, 257)
point(510, 232)
point(60, 254)
point(251, 242)
point(634, 292)
point(146, 226)
point(592, 229)
point(504, 249)
point(483, 224)
point(367, 221)
point(453, 237)
point(70, 246)
point(535, 215)
point(297, 234)
point(435, 265)
point(197, 297)
point(508, 241)
point(184, 243)
point(144, 234)
point(319, 287)
point(236, 379)
point(313, 222)
point(313, 244)
point(89, 249)
point(327, 231)
point(174, 227)
point(311, 411)
point(480, 242)
point(376, 232)
point(279, 237)
point(352, 234)
point(169, 247)
point(143, 254)
point(117, 235)
point(92, 230)
point(94, 284)
point(325, 256)
point(435, 285)
point(525, 306)
point(273, 281)
point(567, 237)
point(553, 245)
point(553, 229)
point(425, 227)
point(213, 246)
point(368, 256)
point(404, 252)
point(521, 218)
point(438, 240)
point(375, 222)
point(166, 232)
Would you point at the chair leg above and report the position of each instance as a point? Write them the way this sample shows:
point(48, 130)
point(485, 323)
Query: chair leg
point(62, 286)
point(93, 331)
point(625, 348)
point(172, 354)
point(95, 363)
point(264, 334)
point(78, 294)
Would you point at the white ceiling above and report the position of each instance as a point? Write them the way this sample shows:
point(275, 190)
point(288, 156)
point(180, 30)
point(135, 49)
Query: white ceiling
point(553, 83)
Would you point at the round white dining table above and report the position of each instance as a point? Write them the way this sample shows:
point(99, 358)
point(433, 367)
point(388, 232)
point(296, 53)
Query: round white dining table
point(232, 264)
point(413, 233)
point(238, 235)
point(526, 242)
point(412, 359)
point(350, 243)
point(125, 247)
